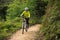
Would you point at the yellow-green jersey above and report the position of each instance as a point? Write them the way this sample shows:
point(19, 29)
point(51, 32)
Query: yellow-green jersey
point(26, 14)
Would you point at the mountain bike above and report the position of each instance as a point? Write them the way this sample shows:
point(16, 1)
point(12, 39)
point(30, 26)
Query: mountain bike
point(24, 25)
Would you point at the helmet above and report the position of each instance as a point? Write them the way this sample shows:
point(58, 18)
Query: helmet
point(26, 8)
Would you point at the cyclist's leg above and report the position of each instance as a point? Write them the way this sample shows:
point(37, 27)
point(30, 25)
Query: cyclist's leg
point(27, 22)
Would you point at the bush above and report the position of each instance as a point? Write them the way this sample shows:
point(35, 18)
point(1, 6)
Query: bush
point(51, 21)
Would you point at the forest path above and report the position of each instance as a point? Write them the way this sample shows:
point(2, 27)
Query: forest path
point(30, 35)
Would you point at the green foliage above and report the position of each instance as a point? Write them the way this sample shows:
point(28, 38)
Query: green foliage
point(15, 8)
point(8, 27)
point(51, 21)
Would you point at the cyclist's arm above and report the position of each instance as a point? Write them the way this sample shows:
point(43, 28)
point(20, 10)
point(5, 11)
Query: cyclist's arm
point(22, 14)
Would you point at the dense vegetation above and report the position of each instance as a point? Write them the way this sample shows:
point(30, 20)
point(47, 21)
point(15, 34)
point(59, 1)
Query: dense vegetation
point(51, 21)
point(10, 11)
point(10, 21)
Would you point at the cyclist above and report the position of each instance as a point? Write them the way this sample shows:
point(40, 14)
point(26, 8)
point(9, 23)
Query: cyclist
point(26, 15)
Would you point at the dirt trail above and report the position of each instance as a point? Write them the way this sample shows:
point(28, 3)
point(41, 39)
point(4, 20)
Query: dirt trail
point(30, 35)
